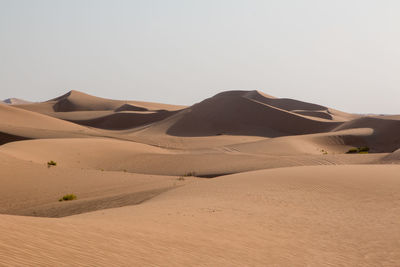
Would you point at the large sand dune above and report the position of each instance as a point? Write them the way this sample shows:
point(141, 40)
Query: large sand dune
point(235, 114)
point(283, 192)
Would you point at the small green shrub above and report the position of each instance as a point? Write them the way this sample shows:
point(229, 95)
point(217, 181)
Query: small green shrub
point(352, 150)
point(363, 149)
point(68, 197)
point(51, 163)
point(359, 150)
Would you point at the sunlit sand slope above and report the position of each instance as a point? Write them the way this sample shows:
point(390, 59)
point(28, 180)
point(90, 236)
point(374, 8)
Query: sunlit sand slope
point(307, 216)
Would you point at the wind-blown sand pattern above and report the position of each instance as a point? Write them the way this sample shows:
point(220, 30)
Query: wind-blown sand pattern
point(239, 179)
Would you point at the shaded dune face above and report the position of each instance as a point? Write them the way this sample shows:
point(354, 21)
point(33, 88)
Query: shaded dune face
point(7, 138)
point(123, 115)
point(128, 107)
point(236, 113)
point(19, 124)
point(386, 132)
point(122, 120)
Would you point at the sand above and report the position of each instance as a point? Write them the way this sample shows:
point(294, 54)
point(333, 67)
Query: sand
point(282, 217)
point(239, 179)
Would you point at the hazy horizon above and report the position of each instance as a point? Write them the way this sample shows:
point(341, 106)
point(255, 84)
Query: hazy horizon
point(341, 54)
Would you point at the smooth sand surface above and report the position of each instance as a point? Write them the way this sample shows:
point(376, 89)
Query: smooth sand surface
point(30, 188)
point(117, 155)
point(239, 179)
point(338, 216)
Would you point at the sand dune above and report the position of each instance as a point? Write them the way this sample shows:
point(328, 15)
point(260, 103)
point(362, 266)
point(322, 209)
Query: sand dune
point(299, 107)
point(18, 124)
point(232, 113)
point(139, 171)
point(16, 101)
point(130, 107)
point(117, 155)
point(248, 108)
point(79, 101)
point(17, 117)
point(216, 122)
point(31, 188)
point(102, 113)
point(385, 137)
point(124, 120)
point(282, 217)
point(316, 144)
point(92, 153)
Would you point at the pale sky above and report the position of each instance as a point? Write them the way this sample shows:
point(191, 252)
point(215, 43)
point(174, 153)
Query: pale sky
point(344, 54)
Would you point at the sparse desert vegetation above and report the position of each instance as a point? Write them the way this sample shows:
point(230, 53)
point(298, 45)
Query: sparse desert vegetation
point(68, 197)
point(191, 173)
point(51, 163)
point(359, 150)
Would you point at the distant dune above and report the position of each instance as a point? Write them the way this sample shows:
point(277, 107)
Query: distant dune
point(16, 101)
point(102, 113)
point(78, 101)
point(239, 179)
point(240, 113)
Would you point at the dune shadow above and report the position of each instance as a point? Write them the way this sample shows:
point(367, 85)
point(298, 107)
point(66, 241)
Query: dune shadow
point(68, 208)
